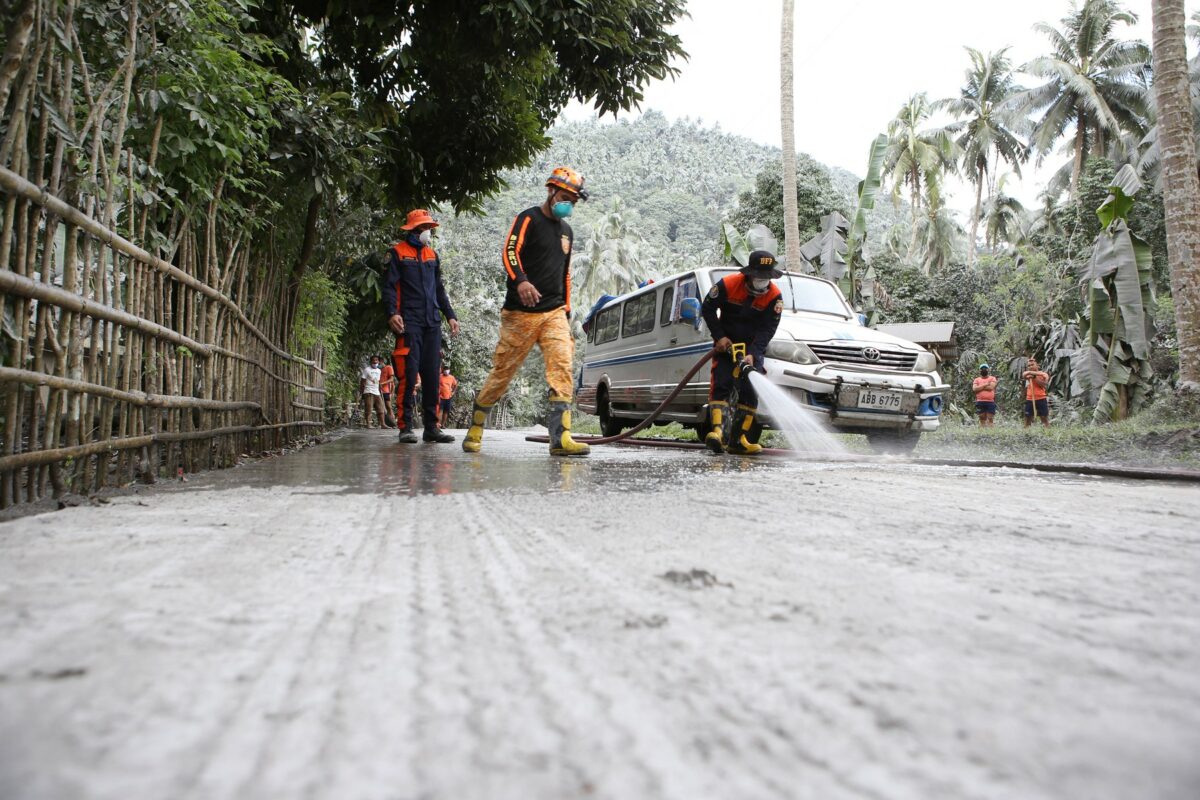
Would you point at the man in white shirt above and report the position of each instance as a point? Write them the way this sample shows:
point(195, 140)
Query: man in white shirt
point(368, 386)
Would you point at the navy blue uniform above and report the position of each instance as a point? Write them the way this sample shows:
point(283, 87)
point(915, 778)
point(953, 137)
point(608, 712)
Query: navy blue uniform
point(415, 291)
point(743, 318)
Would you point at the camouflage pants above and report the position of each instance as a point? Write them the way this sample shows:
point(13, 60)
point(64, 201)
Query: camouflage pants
point(519, 332)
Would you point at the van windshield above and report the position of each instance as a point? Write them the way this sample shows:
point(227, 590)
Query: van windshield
point(811, 295)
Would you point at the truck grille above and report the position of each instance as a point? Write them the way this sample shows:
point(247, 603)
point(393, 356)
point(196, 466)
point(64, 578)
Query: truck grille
point(852, 355)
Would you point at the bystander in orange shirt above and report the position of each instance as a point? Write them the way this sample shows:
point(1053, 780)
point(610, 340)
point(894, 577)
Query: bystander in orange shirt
point(449, 386)
point(984, 389)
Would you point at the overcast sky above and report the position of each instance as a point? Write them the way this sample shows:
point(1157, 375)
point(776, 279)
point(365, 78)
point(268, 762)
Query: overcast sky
point(856, 62)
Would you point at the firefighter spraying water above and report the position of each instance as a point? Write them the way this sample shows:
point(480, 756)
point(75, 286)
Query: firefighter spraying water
point(742, 312)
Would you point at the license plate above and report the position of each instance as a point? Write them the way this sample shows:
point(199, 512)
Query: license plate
point(876, 399)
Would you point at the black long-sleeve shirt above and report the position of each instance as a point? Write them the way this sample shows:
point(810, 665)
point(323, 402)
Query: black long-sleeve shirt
point(538, 250)
point(743, 317)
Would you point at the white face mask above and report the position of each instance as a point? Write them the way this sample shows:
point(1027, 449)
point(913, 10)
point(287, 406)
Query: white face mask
point(761, 284)
point(426, 237)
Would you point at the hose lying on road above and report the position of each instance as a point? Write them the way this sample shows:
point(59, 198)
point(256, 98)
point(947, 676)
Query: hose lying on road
point(653, 414)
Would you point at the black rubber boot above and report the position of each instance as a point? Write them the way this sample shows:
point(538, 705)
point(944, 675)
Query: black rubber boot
point(436, 435)
point(743, 421)
point(408, 437)
point(473, 441)
point(559, 425)
point(714, 441)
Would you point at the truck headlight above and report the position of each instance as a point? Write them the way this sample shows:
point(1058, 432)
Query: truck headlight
point(926, 362)
point(795, 352)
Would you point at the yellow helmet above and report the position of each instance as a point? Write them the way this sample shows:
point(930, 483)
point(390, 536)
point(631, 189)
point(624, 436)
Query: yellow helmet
point(568, 179)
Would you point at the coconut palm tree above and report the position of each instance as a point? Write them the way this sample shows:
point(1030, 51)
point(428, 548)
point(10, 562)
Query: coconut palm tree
point(989, 127)
point(1095, 83)
point(1004, 217)
point(791, 222)
point(611, 261)
point(939, 237)
point(1181, 187)
point(1149, 161)
point(917, 158)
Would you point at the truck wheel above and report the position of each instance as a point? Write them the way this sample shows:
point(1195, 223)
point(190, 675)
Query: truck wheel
point(609, 425)
point(893, 443)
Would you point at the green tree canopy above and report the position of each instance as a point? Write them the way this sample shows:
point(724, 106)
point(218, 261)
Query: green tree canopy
point(464, 89)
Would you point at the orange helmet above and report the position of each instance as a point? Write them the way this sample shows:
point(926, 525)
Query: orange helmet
point(568, 179)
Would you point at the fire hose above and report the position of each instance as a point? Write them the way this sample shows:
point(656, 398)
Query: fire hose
point(648, 420)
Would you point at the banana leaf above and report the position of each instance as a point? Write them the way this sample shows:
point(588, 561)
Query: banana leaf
point(759, 237)
point(1089, 371)
point(827, 250)
point(1100, 317)
point(868, 190)
point(1125, 185)
point(735, 245)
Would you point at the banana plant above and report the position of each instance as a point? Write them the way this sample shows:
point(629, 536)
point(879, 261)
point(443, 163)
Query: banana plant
point(1114, 366)
point(738, 247)
point(836, 253)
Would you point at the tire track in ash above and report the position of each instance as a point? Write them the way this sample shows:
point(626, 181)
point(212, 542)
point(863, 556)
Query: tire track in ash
point(508, 739)
point(292, 762)
point(245, 749)
point(369, 747)
point(449, 746)
point(755, 733)
point(625, 755)
point(337, 723)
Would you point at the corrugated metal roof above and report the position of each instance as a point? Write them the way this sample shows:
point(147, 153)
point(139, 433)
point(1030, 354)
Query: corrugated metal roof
point(921, 332)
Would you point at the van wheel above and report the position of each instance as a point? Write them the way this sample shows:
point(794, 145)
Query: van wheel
point(609, 425)
point(893, 443)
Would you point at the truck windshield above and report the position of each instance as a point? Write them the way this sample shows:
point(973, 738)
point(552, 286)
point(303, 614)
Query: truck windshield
point(810, 295)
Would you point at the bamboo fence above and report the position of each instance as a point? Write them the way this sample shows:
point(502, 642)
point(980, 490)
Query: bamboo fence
point(122, 361)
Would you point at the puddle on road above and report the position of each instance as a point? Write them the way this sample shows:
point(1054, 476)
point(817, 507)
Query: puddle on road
point(372, 462)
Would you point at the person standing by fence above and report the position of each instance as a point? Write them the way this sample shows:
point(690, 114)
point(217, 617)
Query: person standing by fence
point(449, 385)
point(387, 387)
point(416, 300)
point(368, 387)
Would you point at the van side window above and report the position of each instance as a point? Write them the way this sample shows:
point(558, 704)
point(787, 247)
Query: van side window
point(639, 314)
point(664, 316)
point(607, 324)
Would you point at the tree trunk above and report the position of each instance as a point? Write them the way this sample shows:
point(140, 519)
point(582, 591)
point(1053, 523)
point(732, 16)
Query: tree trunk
point(915, 204)
point(791, 223)
point(292, 296)
point(1181, 189)
point(982, 176)
point(1080, 139)
point(18, 40)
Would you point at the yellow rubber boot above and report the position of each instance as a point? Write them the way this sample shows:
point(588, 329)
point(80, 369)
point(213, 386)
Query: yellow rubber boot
point(742, 424)
point(474, 438)
point(559, 425)
point(716, 418)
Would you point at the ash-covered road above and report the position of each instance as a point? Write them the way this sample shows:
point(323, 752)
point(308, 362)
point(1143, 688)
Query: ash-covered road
point(365, 620)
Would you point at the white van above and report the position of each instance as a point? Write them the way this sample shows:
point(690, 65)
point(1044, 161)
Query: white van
point(641, 344)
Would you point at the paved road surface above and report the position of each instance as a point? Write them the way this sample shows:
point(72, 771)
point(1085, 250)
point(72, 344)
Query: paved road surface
point(364, 620)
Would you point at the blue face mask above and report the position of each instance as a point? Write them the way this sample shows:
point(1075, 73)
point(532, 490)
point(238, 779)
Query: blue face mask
point(562, 209)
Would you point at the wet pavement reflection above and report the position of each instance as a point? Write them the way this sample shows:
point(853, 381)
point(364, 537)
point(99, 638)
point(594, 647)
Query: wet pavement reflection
point(372, 462)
